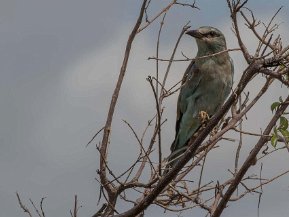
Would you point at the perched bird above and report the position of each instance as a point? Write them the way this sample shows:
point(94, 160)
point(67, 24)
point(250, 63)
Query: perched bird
point(205, 86)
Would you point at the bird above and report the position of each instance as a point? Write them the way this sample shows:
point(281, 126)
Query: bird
point(205, 85)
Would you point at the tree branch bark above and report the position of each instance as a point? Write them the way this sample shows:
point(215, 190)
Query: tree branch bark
point(111, 190)
point(250, 159)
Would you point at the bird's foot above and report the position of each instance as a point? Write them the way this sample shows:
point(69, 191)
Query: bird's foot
point(204, 116)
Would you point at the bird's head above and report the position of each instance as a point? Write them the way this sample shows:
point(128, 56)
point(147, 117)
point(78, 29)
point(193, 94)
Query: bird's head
point(209, 39)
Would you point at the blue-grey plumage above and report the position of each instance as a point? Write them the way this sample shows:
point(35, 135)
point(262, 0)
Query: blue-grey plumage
point(206, 84)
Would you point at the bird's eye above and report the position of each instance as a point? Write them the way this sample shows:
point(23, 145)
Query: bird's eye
point(212, 34)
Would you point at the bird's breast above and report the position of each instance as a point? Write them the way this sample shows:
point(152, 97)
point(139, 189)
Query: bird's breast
point(212, 88)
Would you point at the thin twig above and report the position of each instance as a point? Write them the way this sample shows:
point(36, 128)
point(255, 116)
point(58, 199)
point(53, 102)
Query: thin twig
point(94, 136)
point(248, 161)
point(23, 207)
point(164, 10)
point(107, 129)
point(197, 58)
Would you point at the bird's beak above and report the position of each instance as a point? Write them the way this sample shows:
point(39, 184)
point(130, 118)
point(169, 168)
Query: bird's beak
point(194, 33)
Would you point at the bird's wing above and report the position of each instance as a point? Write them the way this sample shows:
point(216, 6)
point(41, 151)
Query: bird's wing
point(188, 71)
point(190, 82)
point(232, 66)
point(228, 87)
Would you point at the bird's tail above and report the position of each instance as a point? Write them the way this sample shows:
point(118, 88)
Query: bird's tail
point(177, 153)
point(174, 158)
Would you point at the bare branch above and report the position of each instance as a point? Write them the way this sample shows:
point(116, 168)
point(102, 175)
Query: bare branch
point(94, 136)
point(157, 16)
point(193, 59)
point(75, 208)
point(249, 161)
point(23, 207)
point(103, 150)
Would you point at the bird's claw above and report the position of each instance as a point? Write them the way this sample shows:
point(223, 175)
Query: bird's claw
point(204, 116)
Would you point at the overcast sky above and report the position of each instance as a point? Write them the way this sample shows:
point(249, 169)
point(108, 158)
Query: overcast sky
point(59, 60)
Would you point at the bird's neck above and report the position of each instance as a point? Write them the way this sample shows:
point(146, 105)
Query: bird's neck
point(207, 51)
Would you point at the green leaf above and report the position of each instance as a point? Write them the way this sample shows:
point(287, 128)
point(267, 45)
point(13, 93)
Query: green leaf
point(283, 123)
point(274, 140)
point(285, 133)
point(274, 106)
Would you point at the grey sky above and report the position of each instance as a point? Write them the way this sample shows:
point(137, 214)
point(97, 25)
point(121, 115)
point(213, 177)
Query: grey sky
point(59, 60)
